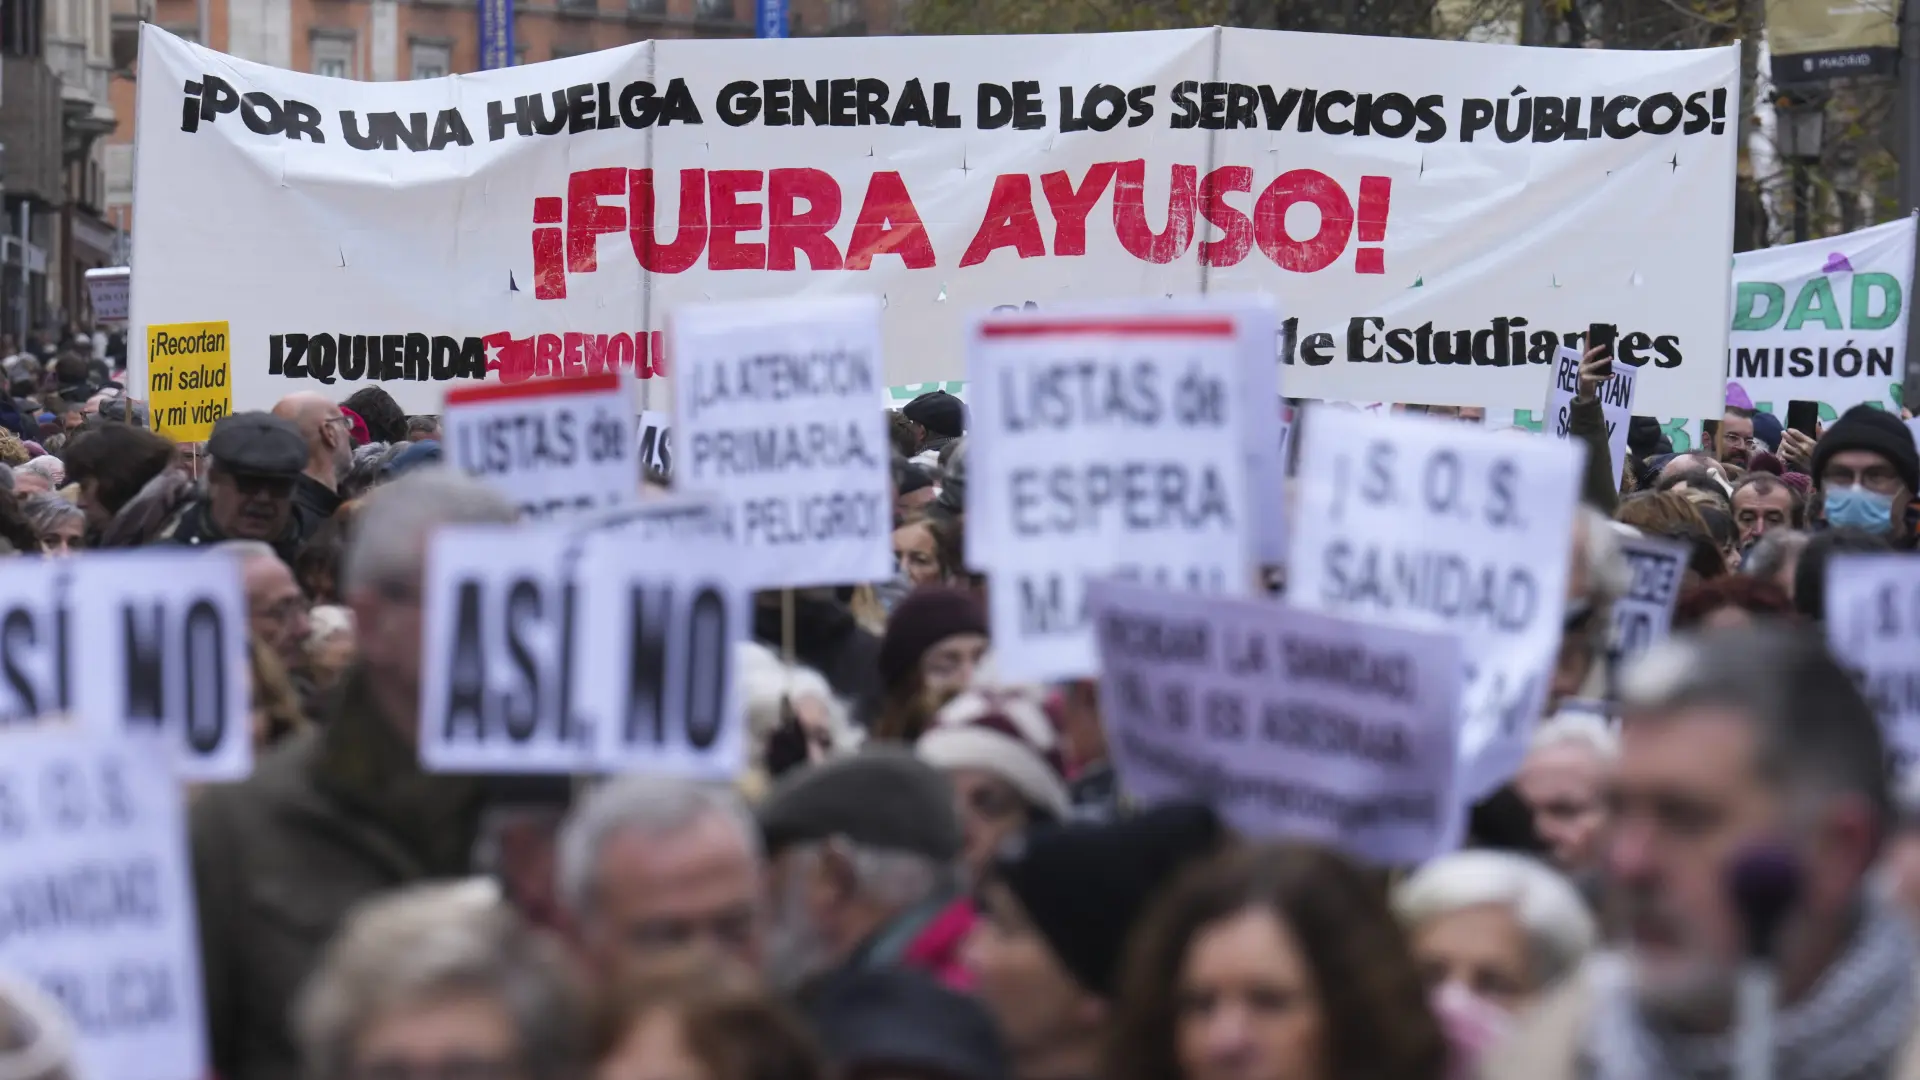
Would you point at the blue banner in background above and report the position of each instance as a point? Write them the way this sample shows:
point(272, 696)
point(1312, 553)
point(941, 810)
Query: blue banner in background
point(496, 34)
point(769, 18)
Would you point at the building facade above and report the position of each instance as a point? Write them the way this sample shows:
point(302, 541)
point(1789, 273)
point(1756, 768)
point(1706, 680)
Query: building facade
point(58, 59)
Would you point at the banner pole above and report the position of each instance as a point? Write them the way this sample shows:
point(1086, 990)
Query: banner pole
point(786, 626)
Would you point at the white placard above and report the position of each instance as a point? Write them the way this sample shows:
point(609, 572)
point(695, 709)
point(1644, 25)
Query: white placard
point(501, 631)
point(1110, 442)
point(776, 417)
point(1430, 247)
point(593, 648)
point(1616, 404)
point(93, 861)
point(107, 292)
point(1873, 626)
point(1288, 723)
point(556, 448)
point(654, 442)
point(661, 620)
point(1418, 523)
point(1645, 614)
point(150, 643)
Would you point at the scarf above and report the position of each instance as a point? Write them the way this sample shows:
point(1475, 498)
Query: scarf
point(1851, 1027)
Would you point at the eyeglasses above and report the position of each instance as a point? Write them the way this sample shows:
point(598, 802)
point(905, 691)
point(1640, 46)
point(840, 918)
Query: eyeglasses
point(1734, 438)
point(729, 930)
point(1879, 479)
point(270, 487)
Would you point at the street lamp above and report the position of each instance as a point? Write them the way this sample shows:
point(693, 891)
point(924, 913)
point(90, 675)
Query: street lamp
point(1801, 134)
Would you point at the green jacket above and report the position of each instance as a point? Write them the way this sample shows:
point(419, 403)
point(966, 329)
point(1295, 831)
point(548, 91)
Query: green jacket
point(329, 818)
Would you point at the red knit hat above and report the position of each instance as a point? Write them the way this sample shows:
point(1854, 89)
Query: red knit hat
point(1006, 733)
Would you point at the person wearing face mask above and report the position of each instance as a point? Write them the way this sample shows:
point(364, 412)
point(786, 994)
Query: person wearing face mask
point(1866, 471)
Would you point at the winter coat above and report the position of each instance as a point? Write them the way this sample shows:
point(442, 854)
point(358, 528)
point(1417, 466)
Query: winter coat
point(333, 816)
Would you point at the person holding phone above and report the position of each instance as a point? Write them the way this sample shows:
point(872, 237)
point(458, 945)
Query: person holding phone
point(1865, 472)
point(1586, 422)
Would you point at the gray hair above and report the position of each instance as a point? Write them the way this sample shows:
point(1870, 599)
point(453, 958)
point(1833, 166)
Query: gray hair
point(1580, 729)
point(766, 681)
point(247, 550)
point(1813, 730)
point(1559, 929)
point(891, 879)
point(45, 465)
point(6, 477)
point(652, 805)
point(1773, 552)
point(46, 511)
point(390, 539)
point(433, 943)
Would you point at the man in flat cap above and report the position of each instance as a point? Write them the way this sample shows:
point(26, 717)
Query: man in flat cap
point(255, 459)
point(864, 855)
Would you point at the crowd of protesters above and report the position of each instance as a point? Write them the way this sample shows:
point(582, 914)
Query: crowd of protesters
point(928, 872)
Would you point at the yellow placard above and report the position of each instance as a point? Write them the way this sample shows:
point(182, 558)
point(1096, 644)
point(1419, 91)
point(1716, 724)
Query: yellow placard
point(189, 378)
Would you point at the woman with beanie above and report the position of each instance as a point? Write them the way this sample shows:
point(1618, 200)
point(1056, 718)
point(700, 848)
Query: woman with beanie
point(935, 638)
point(998, 749)
point(1056, 911)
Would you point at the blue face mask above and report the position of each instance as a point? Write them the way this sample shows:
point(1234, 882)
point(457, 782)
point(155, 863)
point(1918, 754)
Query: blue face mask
point(1857, 508)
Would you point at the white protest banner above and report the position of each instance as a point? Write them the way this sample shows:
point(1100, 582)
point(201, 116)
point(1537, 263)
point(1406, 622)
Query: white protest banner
point(500, 636)
point(598, 647)
point(556, 448)
point(99, 913)
point(1873, 626)
point(162, 639)
point(1288, 723)
point(1437, 231)
point(776, 417)
point(1107, 444)
point(1643, 616)
point(662, 615)
point(1428, 525)
point(654, 443)
point(1616, 403)
point(149, 643)
point(1823, 321)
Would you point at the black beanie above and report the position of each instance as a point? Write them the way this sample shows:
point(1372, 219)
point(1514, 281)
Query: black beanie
point(926, 617)
point(1864, 427)
point(1084, 885)
point(938, 412)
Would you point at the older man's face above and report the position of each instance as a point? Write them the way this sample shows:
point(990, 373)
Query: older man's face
point(1689, 797)
point(656, 897)
point(249, 507)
